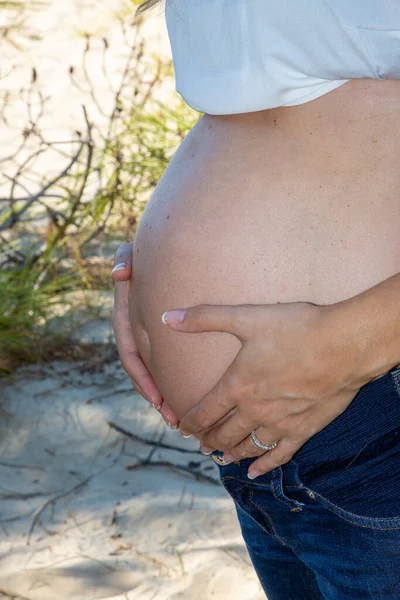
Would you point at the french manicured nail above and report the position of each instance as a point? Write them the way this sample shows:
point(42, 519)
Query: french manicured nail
point(172, 426)
point(119, 267)
point(205, 450)
point(228, 457)
point(173, 317)
point(253, 473)
point(158, 408)
point(184, 434)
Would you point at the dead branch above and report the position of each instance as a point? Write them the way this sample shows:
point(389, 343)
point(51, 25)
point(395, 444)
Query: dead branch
point(147, 442)
point(198, 475)
point(21, 496)
point(15, 217)
point(51, 501)
point(191, 468)
point(5, 594)
point(13, 466)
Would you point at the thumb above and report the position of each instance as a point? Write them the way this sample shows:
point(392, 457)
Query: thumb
point(238, 320)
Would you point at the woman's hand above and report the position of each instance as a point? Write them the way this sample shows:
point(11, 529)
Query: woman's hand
point(298, 369)
point(130, 358)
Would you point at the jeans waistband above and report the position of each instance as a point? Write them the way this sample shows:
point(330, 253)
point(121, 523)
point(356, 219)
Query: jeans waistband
point(373, 414)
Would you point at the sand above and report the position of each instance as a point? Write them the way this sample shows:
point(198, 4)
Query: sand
point(78, 522)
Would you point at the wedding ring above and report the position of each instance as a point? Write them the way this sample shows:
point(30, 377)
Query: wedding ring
point(259, 444)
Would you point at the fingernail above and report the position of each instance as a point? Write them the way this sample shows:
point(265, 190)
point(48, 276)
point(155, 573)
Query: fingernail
point(173, 317)
point(158, 408)
point(172, 426)
point(205, 450)
point(119, 267)
point(253, 473)
point(184, 434)
point(228, 457)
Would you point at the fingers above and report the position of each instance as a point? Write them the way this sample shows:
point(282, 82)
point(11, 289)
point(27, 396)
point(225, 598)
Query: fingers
point(139, 390)
point(232, 433)
point(238, 320)
point(131, 361)
point(168, 416)
point(129, 355)
point(124, 253)
point(214, 406)
point(247, 448)
point(137, 371)
point(275, 458)
point(170, 419)
point(122, 270)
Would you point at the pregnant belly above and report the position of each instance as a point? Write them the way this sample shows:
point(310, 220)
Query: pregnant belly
point(251, 211)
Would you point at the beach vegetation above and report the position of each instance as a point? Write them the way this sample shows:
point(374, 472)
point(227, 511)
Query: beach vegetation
point(58, 233)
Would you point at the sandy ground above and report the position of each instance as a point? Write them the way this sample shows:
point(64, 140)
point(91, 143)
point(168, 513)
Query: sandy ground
point(88, 512)
point(81, 516)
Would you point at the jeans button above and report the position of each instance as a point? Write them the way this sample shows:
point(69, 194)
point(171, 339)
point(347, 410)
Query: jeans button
point(219, 460)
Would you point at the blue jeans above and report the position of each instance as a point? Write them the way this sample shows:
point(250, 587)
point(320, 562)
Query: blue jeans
point(326, 525)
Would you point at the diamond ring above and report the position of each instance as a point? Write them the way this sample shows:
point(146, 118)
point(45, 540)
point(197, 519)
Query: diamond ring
point(259, 444)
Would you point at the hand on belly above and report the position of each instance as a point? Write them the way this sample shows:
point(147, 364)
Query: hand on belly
point(291, 378)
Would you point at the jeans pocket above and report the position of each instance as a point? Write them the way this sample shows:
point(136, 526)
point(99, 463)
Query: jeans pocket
point(238, 490)
point(254, 503)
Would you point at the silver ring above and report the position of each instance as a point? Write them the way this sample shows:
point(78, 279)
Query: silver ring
point(259, 444)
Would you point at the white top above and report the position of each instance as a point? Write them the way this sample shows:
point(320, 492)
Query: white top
point(237, 56)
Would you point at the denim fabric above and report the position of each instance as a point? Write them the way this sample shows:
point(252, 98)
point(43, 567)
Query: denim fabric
point(326, 525)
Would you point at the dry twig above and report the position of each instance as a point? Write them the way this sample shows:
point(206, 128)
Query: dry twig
point(53, 500)
point(147, 442)
point(198, 475)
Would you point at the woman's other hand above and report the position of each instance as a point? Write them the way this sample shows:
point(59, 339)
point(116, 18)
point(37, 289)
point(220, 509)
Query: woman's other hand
point(129, 355)
point(299, 367)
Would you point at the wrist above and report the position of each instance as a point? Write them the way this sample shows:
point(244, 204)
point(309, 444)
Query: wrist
point(346, 333)
point(369, 327)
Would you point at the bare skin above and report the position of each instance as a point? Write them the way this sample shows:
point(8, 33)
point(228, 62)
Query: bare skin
point(287, 205)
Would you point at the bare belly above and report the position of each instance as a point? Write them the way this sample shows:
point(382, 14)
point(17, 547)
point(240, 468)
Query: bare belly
point(291, 204)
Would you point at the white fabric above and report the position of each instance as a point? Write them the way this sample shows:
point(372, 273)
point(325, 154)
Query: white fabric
point(237, 56)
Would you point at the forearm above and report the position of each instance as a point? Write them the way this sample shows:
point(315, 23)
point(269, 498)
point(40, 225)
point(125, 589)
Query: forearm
point(371, 320)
